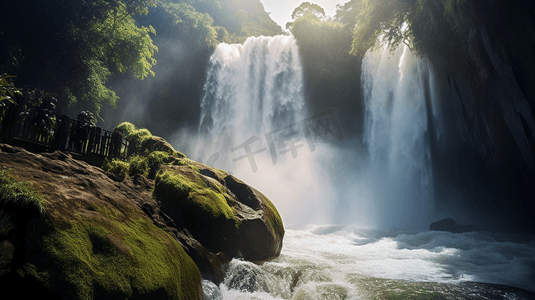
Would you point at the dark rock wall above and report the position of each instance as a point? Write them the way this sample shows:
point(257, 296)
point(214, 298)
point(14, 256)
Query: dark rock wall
point(484, 161)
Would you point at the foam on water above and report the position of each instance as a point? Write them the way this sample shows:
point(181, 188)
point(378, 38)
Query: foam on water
point(331, 262)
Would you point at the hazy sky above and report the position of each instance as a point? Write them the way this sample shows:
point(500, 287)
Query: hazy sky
point(281, 10)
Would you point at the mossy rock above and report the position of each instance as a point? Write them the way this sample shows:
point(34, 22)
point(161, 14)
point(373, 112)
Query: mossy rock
point(123, 260)
point(220, 211)
point(200, 206)
point(94, 241)
point(155, 143)
point(135, 136)
point(105, 257)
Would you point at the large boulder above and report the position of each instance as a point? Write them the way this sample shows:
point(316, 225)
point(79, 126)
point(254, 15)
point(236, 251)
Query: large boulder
point(261, 230)
point(224, 214)
point(94, 239)
point(450, 225)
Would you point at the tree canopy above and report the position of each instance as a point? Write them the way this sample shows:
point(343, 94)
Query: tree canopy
point(331, 72)
point(70, 48)
point(73, 48)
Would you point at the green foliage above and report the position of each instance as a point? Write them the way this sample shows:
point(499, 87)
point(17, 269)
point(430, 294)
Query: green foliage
point(125, 129)
point(155, 159)
point(7, 89)
point(78, 45)
point(83, 46)
point(307, 8)
point(241, 19)
point(138, 165)
point(117, 167)
point(374, 19)
point(191, 24)
point(158, 157)
point(307, 11)
point(135, 136)
point(15, 194)
point(146, 163)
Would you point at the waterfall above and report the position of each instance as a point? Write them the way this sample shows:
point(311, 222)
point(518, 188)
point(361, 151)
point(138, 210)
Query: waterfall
point(254, 124)
point(251, 90)
point(397, 134)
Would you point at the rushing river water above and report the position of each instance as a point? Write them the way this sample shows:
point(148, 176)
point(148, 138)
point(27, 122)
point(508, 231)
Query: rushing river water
point(345, 262)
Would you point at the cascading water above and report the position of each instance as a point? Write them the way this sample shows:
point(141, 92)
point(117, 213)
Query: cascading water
point(253, 124)
point(397, 135)
point(252, 88)
point(253, 94)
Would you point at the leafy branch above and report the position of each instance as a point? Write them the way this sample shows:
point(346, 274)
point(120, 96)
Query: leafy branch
point(7, 89)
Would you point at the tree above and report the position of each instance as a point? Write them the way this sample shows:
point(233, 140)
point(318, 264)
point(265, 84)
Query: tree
point(78, 44)
point(307, 8)
point(330, 70)
point(376, 18)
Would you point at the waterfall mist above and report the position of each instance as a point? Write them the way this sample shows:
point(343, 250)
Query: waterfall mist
point(255, 124)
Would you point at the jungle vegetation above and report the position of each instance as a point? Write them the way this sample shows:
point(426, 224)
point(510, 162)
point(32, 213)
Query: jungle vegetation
point(81, 51)
point(73, 48)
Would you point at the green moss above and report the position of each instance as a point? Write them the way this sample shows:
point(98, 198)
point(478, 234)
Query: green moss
point(135, 136)
point(158, 157)
point(118, 259)
point(144, 164)
point(138, 165)
point(140, 135)
point(125, 128)
point(117, 167)
point(176, 187)
point(30, 271)
point(18, 194)
point(155, 160)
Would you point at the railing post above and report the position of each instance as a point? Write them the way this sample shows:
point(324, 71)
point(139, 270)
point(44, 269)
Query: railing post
point(16, 118)
point(96, 141)
point(91, 141)
point(63, 132)
point(117, 140)
point(9, 123)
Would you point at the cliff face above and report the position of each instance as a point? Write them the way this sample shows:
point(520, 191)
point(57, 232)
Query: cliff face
point(102, 236)
point(486, 153)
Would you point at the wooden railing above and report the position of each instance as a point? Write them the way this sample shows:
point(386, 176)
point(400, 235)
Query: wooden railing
point(61, 133)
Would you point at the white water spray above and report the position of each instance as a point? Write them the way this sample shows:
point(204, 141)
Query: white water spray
point(253, 124)
point(396, 133)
